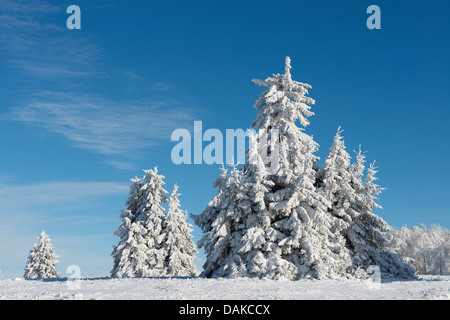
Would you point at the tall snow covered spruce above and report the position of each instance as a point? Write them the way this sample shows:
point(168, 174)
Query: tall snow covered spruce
point(42, 260)
point(291, 219)
point(146, 232)
point(287, 233)
point(125, 254)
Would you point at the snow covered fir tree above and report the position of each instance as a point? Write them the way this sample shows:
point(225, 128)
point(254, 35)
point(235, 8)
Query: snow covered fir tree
point(297, 221)
point(153, 244)
point(42, 260)
point(178, 245)
point(352, 202)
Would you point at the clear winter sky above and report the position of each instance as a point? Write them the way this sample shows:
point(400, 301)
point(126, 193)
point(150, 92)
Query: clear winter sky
point(83, 111)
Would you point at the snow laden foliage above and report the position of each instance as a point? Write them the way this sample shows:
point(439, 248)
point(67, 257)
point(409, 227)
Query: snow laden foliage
point(42, 260)
point(427, 249)
point(138, 253)
point(352, 204)
point(301, 238)
point(131, 244)
point(285, 231)
point(254, 249)
point(376, 232)
point(178, 244)
point(336, 184)
point(151, 217)
point(142, 250)
point(218, 218)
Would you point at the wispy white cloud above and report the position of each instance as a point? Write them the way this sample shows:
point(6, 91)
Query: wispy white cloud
point(122, 165)
point(24, 206)
point(123, 130)
point(39, 45)
point(47, 53)
point(161, 86)
point(55, 193)
point(49, 69)
point(27, 6)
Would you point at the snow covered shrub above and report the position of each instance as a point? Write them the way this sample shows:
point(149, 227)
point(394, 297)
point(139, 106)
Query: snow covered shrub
point(427, 249)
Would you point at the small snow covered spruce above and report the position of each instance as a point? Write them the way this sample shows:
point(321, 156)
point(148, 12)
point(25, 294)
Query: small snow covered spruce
point(375, 232)
point(143, 250)
point(42, 260)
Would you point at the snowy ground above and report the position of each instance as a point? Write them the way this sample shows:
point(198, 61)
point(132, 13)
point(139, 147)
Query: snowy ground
point(427, 287)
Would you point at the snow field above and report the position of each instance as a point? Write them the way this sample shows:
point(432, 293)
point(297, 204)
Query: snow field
point(425, 288)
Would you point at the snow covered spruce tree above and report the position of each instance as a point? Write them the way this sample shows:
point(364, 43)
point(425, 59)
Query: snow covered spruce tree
point(152, 218)
point(42, 260)
point(178, 245)
point(335, 184)
point(302, 238)
point(153, 244)
point(205, 220)
point(254, 221)
point(293, 237)
point(131, 247)
point(139, 252)
point(374, 232)
point(218, 218)
point(352, 203)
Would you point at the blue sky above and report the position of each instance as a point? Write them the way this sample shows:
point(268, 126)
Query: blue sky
point(83, 111)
